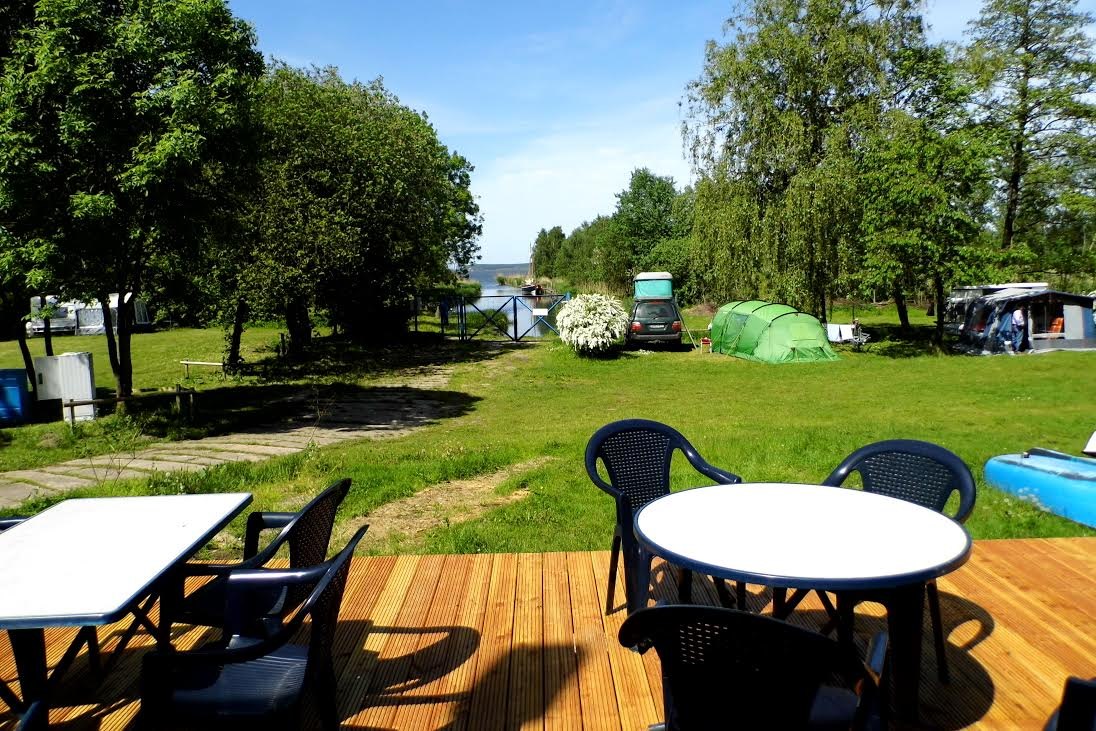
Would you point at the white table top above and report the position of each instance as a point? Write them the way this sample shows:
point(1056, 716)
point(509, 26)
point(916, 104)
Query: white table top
point(802, 536)
point(85, 561)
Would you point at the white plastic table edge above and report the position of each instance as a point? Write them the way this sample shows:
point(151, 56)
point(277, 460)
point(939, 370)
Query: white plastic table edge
point(61, 567)
point(811, 526)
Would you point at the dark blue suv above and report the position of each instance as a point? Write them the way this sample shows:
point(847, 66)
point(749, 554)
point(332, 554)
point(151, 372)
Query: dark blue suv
point(655, 321)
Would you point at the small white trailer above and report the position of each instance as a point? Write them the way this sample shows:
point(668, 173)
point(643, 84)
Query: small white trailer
point(74, 317)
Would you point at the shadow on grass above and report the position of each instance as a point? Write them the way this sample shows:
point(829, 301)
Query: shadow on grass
point(339, 358)
point(273, 408)
point(891, 341)
point(322, 388)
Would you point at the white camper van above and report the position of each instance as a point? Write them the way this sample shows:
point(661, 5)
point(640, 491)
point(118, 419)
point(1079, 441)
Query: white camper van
point(81, 318)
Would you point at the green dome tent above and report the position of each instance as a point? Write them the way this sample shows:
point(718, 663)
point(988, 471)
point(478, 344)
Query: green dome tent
point(769, 333)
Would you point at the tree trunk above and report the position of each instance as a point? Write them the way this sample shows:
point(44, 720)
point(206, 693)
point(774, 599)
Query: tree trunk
point(299, 324)
point(28, 362)
point(1017, 162)
point(903, 311)
point(1012, 194)
point(47, 332)
point(108, 330)
point(237, 333)
point(938, 298)
point(124, 374)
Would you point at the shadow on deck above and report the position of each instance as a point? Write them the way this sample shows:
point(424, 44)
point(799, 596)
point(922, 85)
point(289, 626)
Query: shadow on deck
point(520, 641)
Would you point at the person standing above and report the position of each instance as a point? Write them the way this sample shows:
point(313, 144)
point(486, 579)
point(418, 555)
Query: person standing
point(1019, 328)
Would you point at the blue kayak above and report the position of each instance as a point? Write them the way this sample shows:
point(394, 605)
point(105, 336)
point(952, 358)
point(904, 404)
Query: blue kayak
point(1058, 482)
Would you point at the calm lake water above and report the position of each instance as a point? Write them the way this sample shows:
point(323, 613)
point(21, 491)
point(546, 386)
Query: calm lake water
point(496, 296)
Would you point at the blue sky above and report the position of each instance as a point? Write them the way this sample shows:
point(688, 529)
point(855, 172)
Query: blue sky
point(554, 103)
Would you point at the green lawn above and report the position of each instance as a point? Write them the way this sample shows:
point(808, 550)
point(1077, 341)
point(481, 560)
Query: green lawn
point(156, 355)
point(156, 366)
point(767, 423)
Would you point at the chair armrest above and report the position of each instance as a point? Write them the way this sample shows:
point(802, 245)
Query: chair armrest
point(245, 582)
point(258, 522)
point(722, 477)
point(208, 569)
point(11, 522)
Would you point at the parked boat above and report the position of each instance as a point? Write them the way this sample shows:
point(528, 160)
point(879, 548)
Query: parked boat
point(1055, 481)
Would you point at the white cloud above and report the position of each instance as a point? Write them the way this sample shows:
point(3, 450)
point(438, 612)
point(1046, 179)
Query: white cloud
point(572, 175)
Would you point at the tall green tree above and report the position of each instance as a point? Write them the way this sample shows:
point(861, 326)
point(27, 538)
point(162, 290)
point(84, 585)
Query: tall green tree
point(917, 219)
point(582, 254)
point(358, 206)
point(1034, 64)
point(778, 113)
point(546, 252)
point(644, 215)
point(120, 127)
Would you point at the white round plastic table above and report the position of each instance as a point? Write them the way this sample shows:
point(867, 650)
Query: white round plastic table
point(812, 537)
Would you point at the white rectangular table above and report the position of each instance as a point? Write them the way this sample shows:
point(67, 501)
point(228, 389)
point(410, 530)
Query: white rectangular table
point(87, 562)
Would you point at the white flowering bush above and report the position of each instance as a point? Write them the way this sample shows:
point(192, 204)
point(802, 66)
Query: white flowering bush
point(591, 323)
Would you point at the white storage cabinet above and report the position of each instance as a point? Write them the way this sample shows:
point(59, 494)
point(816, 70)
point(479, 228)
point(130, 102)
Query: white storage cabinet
point(69, 377)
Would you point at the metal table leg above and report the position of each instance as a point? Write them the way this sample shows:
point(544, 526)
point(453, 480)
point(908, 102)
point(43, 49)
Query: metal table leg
point(905, 613)
point(641, 586)
point(29, 648)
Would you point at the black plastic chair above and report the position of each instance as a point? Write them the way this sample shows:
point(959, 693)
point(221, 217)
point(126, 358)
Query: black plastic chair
point(725, 667)
point(306, 532)
point(637, 455)
point(1078, 709)
point(921, 473)
point(249, 681)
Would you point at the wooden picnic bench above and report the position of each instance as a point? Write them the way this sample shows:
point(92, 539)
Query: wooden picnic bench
point(188, 363)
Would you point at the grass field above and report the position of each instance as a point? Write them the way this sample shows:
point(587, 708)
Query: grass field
point(156, 367)
point(766, 423)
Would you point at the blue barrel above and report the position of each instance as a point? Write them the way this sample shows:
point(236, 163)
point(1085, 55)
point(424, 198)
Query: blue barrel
point(13, 396)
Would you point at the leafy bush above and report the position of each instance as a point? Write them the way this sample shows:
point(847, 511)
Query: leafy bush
point(591, 323)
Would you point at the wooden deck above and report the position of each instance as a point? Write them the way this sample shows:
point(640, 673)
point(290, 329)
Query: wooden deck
point(520, 642)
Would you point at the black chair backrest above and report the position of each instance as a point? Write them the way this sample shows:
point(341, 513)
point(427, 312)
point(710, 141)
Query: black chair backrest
point(309, 534)
point(322, 601)
point(722, 665)
point(637, 455)
point(310, 537)
point(911, 470)
point(326, 599)
point(1078, 709)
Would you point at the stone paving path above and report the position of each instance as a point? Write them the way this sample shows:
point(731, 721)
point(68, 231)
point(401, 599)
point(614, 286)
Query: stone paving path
point(399, 406)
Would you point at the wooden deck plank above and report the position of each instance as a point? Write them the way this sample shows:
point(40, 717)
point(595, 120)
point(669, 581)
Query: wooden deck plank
point(365, 589)
point(358, 677)
point(563, 706)
point(597, 697)
point(395, 666)
point(1005, 583)
point(464, 655)
point(509, 641)
point(427, 668)
point(634, 697)
point(526, 708)
point(490, 696)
